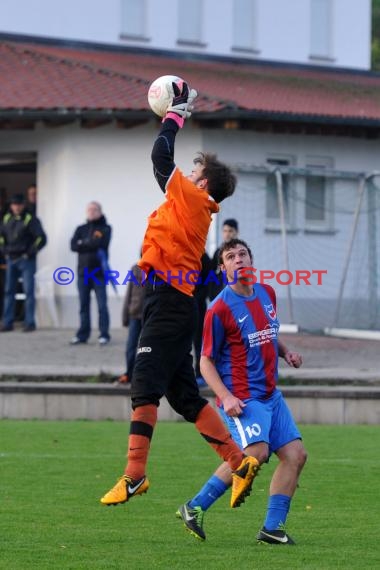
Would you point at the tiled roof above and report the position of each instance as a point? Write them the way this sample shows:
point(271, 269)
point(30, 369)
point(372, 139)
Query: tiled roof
point(50, 77)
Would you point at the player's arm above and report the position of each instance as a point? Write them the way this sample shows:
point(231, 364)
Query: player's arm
point(163, 148)
point(232, 406)
point(213, 340)
point(163, 152)
point(292, 358)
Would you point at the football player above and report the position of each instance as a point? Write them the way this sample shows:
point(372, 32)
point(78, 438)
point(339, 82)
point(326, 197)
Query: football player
point(240, 364)
point(173, 245)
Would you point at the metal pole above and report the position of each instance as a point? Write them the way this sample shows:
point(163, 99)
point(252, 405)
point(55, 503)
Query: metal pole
point(361, 187)
point(281, 208)
point(373, 309)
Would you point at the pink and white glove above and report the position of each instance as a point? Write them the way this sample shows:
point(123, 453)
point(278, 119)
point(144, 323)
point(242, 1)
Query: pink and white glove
point(182, 102)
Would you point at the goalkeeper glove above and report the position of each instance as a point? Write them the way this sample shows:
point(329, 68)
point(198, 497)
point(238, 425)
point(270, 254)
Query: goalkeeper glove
point(182, 102)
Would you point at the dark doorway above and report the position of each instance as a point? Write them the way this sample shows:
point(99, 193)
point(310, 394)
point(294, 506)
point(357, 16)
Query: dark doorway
point(17, 174)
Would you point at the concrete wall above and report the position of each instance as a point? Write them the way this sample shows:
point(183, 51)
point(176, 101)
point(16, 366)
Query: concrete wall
point(282, 30)
point(113, 166)
point(310, 405)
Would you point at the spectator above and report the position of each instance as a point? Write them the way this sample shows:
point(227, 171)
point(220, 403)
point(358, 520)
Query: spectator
point(2, 258)
point(230, 231)
point(132, 318)
point(21, 238)
point(201, 294)
point(31, 195)
point(91, 241)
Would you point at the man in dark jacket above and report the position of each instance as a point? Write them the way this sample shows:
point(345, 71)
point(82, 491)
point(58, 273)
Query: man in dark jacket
point(91, 241)
point(21, 238)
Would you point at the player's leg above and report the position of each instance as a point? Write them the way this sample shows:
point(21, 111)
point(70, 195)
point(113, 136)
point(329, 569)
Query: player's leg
point(202, 306)
point(183, 395)
point(285, 441)
point(131, 348)
point(192, 513)
point(164, 340)
point(250, 441)
point(148, 386)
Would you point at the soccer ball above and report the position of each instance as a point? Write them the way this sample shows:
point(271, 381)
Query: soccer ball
point(159, 98)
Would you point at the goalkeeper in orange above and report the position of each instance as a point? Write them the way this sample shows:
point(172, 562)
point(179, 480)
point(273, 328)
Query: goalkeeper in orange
point(173, 245)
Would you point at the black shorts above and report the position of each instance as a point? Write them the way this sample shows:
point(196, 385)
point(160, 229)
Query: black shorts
point(164, 364)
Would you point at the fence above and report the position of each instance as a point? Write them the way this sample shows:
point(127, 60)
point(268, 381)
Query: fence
point(319, 219)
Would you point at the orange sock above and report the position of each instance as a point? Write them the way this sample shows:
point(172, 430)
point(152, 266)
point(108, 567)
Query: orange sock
point(144, 419)
point(211, 427)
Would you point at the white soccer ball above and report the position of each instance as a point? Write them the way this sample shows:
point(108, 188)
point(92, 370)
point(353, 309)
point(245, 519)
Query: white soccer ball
point(159, 97)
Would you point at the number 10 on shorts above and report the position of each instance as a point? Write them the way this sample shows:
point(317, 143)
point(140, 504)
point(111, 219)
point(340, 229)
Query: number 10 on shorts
point(253, 430)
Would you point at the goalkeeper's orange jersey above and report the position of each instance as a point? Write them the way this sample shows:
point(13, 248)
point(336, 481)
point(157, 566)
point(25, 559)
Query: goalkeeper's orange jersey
point(176, 236)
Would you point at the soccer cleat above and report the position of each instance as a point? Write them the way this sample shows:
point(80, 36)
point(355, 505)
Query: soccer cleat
point(277, 536)
point(125, 489)
point(192, 519)
point(242, 480)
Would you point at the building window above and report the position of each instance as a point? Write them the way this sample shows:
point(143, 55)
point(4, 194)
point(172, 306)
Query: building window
point(244, 25)
point(272, 204)
point(320, 29)
point(133, 19)
point(190, 22)
point(318, 196)
point(315, 200)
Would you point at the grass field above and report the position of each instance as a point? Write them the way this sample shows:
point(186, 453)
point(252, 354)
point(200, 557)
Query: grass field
point(53, 473)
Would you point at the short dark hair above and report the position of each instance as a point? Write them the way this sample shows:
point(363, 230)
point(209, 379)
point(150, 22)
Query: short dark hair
point(220, 180)
point(227, 245)
point(232, 223)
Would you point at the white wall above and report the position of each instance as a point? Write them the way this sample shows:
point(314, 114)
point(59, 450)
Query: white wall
point(113, 166)
point(283, 28)
point(314, 306)
point(110, 165)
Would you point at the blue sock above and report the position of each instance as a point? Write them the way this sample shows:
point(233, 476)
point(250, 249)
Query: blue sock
point(212, 490)
point(277, 511)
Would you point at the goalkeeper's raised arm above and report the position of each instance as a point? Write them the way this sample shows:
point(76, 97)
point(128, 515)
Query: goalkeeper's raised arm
point(163, 148)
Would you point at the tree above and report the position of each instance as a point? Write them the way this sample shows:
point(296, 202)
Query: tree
point(375, 48)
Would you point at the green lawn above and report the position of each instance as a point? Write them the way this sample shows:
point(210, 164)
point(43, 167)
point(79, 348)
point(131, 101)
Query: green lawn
point(52, 475)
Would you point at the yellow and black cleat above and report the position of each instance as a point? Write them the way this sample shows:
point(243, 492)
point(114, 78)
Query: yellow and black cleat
point(125, 489)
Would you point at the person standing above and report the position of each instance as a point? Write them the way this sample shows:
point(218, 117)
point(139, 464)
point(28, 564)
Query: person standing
point(3, 265)
point(31, 195)
point(132, 318)
point(240, 364)
point(230, 230)
point(21, 238)
point(173, 245)
point(91, 241)
point(201, 294)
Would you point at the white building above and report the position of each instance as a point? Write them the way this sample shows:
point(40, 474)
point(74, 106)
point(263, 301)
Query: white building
point(75, 118)
point(329, 32)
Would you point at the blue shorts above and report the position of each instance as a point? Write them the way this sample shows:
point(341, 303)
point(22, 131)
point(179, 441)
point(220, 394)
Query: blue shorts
point(268, 421)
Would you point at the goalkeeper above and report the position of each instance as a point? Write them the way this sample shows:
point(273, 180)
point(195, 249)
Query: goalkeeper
point(173, 245)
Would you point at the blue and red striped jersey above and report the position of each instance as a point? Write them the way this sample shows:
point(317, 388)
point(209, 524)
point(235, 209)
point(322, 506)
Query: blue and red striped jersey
point(240, 335)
